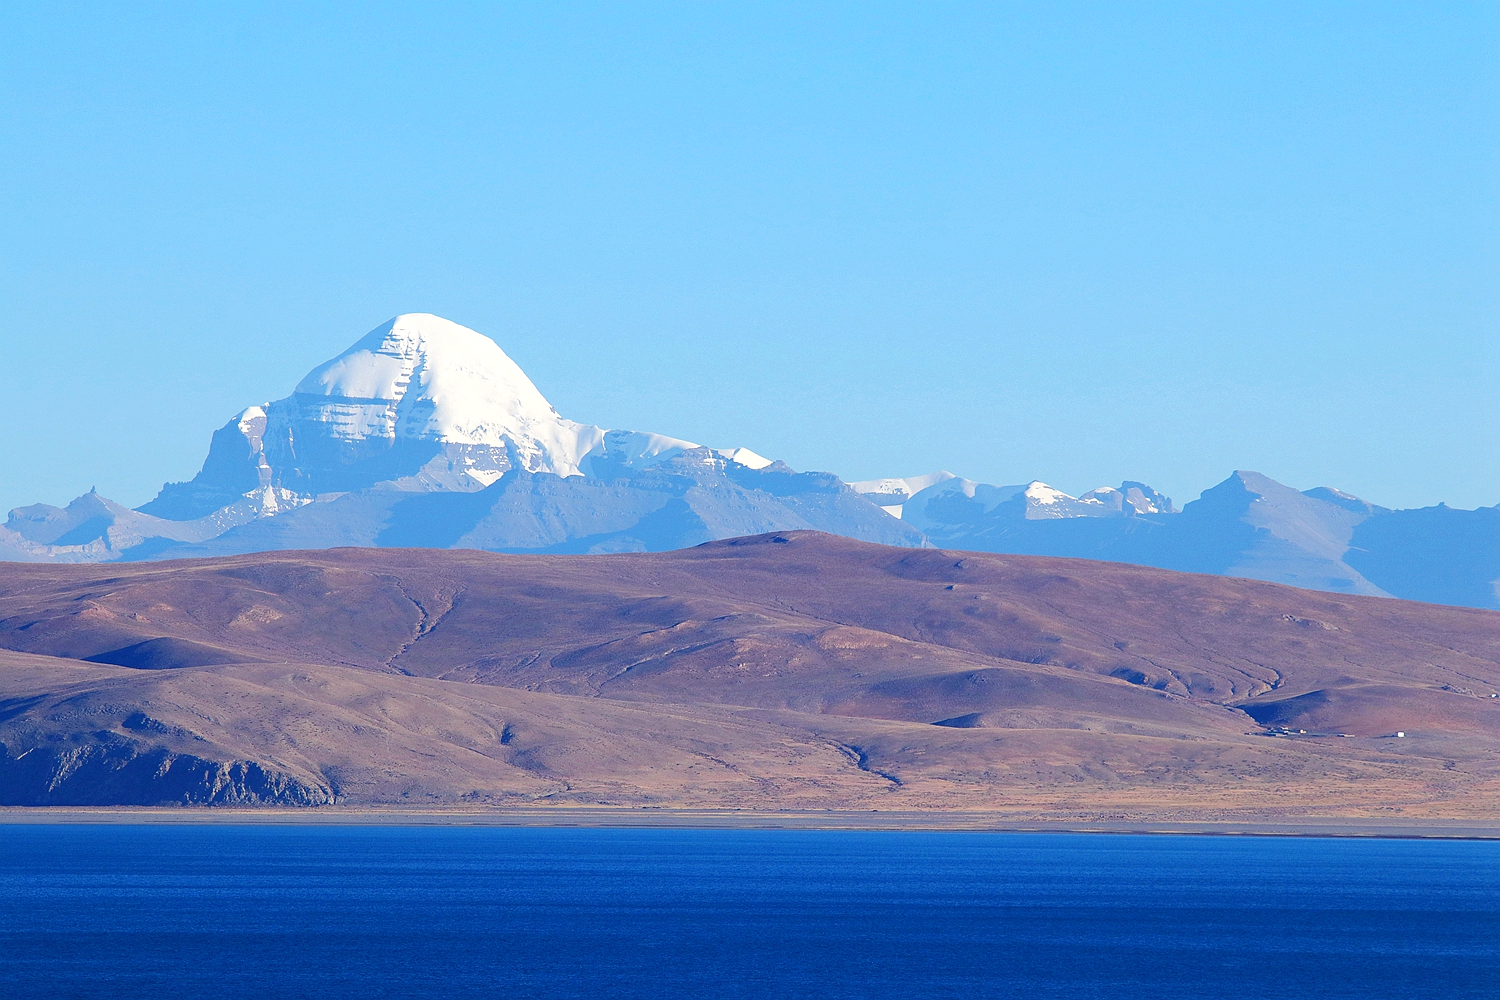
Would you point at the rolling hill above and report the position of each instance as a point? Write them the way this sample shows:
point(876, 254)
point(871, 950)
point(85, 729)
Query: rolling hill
point(788, 670)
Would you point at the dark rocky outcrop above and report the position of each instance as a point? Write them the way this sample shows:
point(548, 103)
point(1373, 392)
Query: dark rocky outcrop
point(117, 772)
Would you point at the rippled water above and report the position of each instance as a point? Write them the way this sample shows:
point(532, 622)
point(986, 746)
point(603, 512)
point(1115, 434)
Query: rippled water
point(255, 911)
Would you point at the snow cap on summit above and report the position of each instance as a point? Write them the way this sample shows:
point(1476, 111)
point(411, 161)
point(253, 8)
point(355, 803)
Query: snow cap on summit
point(448, 383)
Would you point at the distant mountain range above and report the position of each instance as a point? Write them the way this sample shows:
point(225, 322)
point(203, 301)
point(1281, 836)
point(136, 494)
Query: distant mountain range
point(1248, 526)
point(425, 434)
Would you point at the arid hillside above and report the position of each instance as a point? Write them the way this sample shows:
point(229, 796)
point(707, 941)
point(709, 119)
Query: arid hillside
point(794, 670)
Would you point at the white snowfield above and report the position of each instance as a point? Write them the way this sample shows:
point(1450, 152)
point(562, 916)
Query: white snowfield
point(906, 498)
point(451, 397)
point(1108, 496)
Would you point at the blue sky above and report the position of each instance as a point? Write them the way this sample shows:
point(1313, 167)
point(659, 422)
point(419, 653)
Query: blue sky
point(1081, 243)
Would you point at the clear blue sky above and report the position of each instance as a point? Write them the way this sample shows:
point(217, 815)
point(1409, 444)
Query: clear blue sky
point(1076, 243)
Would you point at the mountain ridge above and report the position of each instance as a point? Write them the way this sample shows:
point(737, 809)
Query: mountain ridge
point(387, 442)
point(1249, 525)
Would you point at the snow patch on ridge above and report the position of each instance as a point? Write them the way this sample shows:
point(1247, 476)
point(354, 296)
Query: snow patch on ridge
point(1039, 492)
point(745, 457)
point(892, 494)
point(252, 421)
point(907, 487)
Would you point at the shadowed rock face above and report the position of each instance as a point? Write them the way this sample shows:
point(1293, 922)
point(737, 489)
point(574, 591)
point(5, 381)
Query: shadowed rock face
point(790, 670)
point(125, 773)
point(168, 653)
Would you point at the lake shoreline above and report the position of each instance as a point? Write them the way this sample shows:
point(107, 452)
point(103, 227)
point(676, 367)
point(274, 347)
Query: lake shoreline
point(716, 819)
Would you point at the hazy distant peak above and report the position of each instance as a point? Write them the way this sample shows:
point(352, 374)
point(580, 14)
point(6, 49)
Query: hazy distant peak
point(1255, 482)
point(1348, 501)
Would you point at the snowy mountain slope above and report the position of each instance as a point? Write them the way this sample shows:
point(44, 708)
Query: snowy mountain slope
point(422, 406)
point(419, 401)
point(418, 405)
point(1131, 497)
point(429, 397)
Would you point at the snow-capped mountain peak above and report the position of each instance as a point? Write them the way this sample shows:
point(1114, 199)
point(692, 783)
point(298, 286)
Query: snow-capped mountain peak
point(419, 403)
point(425, 377)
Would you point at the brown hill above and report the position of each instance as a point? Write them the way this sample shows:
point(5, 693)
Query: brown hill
point(795, 670)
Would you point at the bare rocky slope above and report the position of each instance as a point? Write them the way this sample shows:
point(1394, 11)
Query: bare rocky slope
point(791, 670)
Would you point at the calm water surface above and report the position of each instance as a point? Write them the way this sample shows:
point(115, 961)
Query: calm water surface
point(330, 912)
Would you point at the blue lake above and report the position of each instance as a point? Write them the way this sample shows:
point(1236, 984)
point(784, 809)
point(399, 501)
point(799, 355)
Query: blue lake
point(333, 912)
